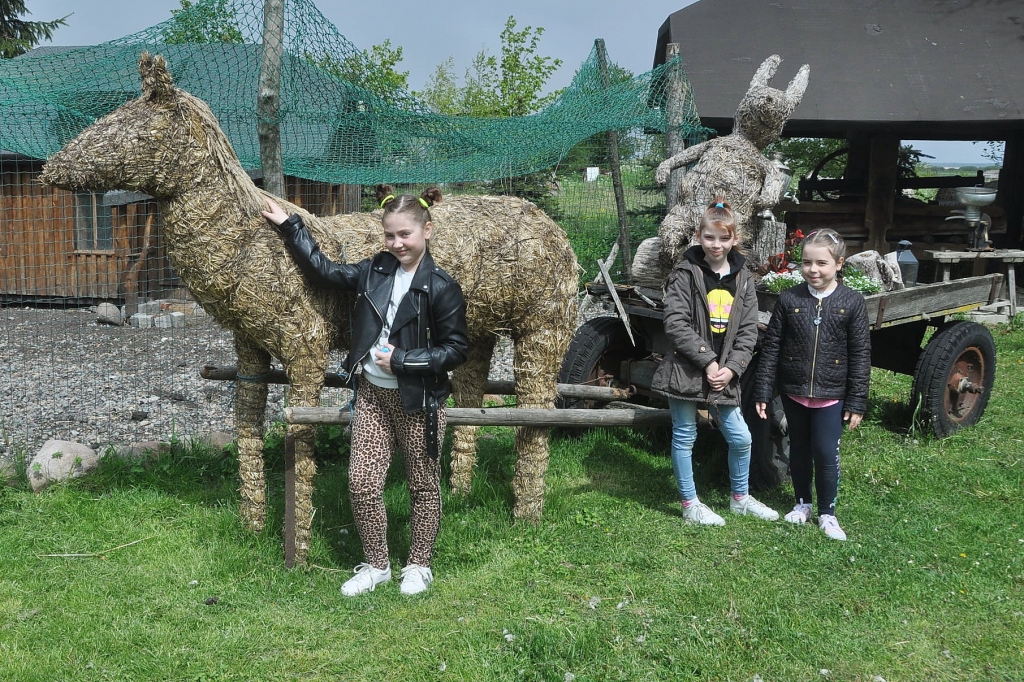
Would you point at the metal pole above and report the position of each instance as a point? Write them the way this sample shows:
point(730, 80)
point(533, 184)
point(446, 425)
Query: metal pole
point(613, 152)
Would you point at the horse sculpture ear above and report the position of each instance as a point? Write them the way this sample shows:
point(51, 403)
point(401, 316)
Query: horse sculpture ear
point(765, 72)
point(797, 86)
point(157, 83)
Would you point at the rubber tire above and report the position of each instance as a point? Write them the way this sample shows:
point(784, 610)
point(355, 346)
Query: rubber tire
point(600, 343)
point(945, 354)
point(769, 447)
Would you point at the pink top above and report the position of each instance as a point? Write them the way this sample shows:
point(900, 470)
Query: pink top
point(814, 402)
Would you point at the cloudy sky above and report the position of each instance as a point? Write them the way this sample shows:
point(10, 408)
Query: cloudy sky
point(430, 32)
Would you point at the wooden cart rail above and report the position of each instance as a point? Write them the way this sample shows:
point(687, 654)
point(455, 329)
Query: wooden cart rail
point(927, 301)
point(504, 416)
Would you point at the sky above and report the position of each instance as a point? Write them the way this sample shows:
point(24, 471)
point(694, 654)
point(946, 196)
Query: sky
point(431, 32)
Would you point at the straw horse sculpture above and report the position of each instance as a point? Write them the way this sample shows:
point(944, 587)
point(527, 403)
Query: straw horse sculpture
point(516, 267)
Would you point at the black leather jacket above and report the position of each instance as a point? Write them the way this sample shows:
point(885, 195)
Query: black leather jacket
point(831, 359)
point(429, 330)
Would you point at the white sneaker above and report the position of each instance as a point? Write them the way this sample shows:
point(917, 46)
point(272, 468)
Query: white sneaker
point(366, 580)
point(416, 579)
point(748, 505)
point(828, 523)
point(801, 514)
point(698, 512)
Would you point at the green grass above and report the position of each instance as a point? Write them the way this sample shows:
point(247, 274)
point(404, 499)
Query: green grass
point(609, 586)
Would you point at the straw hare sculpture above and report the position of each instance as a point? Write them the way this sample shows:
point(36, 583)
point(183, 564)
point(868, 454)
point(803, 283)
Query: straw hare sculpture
point(515, 265)
point(733, 166)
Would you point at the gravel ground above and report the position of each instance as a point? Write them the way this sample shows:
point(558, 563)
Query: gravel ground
point(65, 376)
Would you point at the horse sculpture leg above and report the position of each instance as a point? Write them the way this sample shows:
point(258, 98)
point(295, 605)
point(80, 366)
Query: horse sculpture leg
point(250, 410)
point(306, 376)
point(468, 384)
point(538, 357)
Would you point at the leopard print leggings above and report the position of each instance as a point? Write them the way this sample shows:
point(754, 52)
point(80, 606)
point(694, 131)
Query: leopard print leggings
point(379, 424)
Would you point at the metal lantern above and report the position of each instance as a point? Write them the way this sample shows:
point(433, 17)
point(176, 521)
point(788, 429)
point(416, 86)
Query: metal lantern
point(907, 261)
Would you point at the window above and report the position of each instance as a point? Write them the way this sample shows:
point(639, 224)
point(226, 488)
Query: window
point(94, 225)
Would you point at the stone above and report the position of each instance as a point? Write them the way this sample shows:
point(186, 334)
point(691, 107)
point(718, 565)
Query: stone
point(216, 440)
point(60, 460)
point(177, 319)
point(872, 264)
point(141, 320)
point(108, 313)
point(149, 307)
point(162, 321)
point(143, 450)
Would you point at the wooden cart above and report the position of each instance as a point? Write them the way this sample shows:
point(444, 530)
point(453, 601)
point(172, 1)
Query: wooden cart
point(953, 372)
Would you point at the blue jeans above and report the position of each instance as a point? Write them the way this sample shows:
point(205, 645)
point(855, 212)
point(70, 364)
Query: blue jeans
point(684, 434)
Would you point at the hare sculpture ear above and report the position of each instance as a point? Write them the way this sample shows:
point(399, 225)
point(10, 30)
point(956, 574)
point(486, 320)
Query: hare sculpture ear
point(797, 86)
point(157, 83)
point(765, 72)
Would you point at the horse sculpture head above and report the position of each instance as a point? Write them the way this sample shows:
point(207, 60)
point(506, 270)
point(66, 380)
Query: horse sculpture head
point(163, 143)
point(764, 110)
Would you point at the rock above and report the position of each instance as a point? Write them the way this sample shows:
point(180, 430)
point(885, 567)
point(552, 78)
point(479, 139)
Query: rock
point(143, 450)
point(108, 313)
point(141, 320)
point(872, 264)
point(149, 307)
point(59, 460)
point(216, 440)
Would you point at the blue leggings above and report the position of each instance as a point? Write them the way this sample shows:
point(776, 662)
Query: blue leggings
point(814, 434)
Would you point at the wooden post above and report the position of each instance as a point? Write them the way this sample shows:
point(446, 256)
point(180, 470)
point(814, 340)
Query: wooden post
point(1010, 192)
point(289, 500)
point(881, 201)
point(268, 101)
point(675, 110)
point(613, 152)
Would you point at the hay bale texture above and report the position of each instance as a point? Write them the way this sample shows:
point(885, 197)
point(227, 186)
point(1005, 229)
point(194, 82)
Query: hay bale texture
point(514, 263)
point(734, 165)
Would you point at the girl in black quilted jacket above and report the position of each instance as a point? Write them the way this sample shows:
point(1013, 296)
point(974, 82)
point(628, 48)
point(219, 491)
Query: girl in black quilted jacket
point(817, 352)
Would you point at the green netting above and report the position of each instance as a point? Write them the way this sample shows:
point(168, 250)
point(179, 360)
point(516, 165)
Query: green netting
point(331, 129)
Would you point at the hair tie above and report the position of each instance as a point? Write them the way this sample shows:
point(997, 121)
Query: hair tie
point(423, 202)
point(386, 200)
point(719, 205)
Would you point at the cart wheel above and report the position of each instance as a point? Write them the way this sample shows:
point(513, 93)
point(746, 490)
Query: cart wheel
point(769, 447)
point(953, 377)
point(594, 356)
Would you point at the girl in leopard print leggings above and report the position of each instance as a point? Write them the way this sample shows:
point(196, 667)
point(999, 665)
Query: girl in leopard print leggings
point(408, 332)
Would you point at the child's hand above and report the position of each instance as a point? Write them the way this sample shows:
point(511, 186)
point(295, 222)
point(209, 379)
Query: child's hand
point(276, 214)
point(853, 418)
point(382, 358)
point(721, 378)
point(762, 410)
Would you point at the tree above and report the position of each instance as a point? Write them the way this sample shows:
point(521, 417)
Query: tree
point(18, 36)
point(373, 70)
point(493, 87)
point(212, 22)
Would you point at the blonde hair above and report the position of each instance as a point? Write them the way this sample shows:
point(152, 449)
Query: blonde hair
point(719, 214)
point(828, 238)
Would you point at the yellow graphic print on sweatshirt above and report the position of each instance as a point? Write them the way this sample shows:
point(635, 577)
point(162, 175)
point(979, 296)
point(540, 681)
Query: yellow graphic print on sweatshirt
point(720, 306)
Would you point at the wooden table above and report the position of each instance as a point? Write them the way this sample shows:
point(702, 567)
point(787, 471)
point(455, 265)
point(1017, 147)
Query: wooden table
point(1007, 257)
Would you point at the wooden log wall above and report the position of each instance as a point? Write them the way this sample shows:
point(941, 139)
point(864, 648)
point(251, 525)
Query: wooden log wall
point(38, 258)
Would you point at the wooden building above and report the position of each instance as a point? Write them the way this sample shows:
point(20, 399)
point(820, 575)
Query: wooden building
point(881, 72)
point(87, 247)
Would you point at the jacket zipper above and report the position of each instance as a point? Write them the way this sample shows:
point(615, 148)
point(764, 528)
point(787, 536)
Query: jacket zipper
point(814, 355)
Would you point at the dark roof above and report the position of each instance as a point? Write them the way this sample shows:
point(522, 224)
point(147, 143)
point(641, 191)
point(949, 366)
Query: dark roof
point(920, 69)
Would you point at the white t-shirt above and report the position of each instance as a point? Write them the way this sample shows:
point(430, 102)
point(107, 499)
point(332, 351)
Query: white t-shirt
point(374, 374)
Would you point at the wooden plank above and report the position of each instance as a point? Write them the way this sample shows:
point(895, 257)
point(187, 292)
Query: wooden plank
point(332, 379)
point(503, 416)
point(930, 300)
